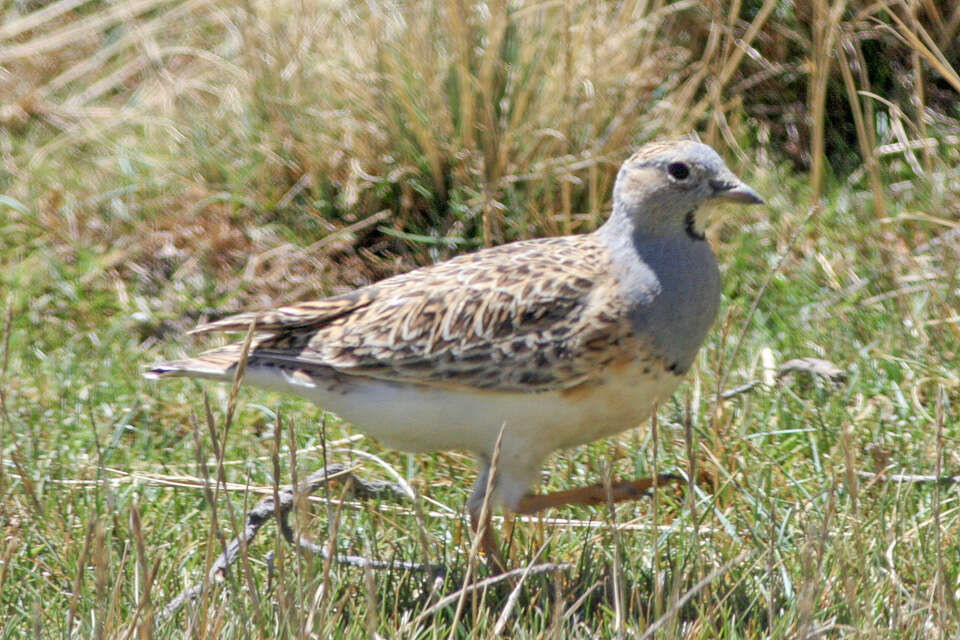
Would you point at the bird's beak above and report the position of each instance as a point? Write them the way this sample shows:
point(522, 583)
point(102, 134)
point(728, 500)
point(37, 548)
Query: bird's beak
point(734, 190)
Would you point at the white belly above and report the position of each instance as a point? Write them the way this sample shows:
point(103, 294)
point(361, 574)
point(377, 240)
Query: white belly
point(421, 418)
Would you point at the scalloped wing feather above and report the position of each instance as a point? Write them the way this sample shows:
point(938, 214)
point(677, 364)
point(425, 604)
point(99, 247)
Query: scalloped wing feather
point(530, 316)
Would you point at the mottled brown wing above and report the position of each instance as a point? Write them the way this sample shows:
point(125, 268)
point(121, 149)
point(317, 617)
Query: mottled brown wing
point(303, 315)
point(537, 316)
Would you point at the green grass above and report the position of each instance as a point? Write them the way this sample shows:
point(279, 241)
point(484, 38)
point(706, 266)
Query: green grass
point(220, 157)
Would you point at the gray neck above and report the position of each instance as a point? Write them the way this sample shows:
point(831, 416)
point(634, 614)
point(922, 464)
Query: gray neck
point(655, 223)
point(671, 282)
point(621, 224)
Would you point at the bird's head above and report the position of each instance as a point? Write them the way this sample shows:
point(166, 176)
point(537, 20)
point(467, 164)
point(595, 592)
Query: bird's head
point(660, 187)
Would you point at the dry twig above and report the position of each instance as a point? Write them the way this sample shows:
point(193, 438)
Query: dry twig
point(267, 509)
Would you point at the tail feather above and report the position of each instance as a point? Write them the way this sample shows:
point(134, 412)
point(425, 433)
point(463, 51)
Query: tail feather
point(217, 364)
point(305, 314)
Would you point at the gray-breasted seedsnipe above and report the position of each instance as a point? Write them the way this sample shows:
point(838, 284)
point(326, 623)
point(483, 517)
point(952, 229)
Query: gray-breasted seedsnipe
point(560, 340)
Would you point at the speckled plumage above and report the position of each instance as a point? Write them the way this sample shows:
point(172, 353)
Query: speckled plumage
point(525, 317)
point(562, 340)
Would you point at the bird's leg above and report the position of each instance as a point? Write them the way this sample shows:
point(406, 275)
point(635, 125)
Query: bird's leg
point(480, 522)
point(592, 494)
point(488, 541)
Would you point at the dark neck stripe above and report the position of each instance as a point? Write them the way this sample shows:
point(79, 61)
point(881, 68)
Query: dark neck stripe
point(690, 225)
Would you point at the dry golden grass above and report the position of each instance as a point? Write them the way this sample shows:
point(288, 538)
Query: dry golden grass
point(419, 128)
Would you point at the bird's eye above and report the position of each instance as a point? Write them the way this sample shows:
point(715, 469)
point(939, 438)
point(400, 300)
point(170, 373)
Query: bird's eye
point(678, 170)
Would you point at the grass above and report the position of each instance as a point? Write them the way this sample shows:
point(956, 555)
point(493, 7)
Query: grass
point(162, 160)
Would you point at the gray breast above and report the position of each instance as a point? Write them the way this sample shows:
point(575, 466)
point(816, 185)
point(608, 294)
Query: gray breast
point(673, 288)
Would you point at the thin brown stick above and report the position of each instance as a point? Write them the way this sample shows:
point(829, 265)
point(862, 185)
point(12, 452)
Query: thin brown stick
point(655, 516)
point(216, 531)
point(7, 426)
point(618, 590)
point(480, 535)
point(78, 579)
point(267, 509)
point(279, 565)
point(501, 624)
point(939, 598)
point(864, 137)
point(298, 504)
point(483, 584)
point(219, 447)
point(697, 588)
point(692, 479)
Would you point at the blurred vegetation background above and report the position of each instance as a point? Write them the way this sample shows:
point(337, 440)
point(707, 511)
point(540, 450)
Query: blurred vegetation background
point(161, 160)
point(161, 131)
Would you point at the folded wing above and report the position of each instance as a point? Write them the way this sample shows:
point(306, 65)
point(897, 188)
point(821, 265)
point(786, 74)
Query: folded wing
point(546, 309)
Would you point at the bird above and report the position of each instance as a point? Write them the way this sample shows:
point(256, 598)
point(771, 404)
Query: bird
point(536, 345)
